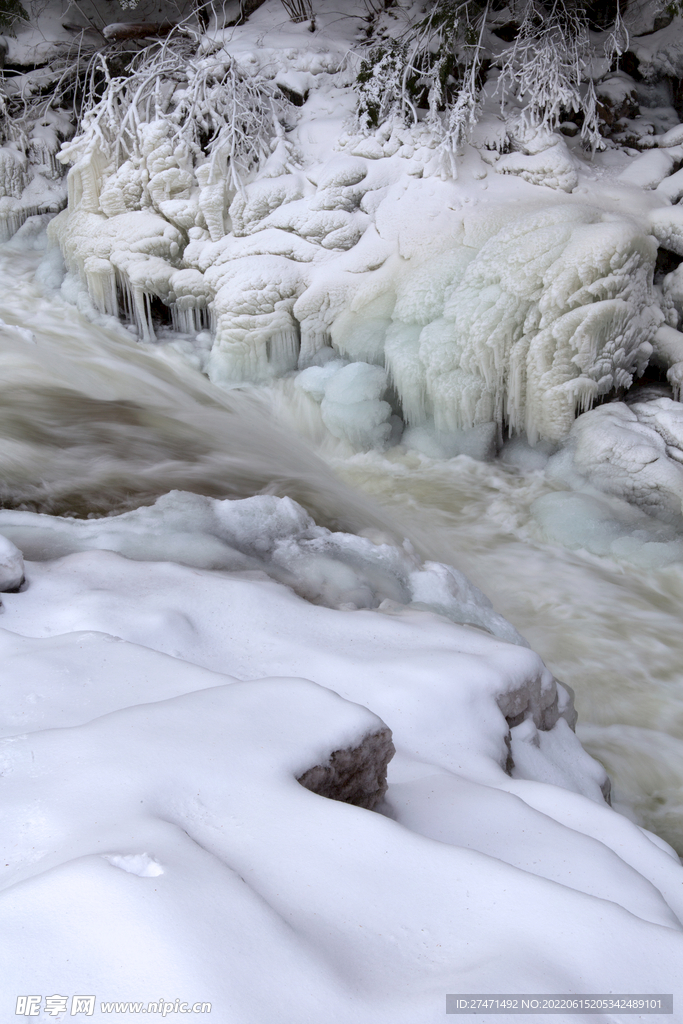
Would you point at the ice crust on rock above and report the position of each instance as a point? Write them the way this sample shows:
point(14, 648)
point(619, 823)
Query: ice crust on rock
point(633, 452)
point(131, 254)
point(271, 535)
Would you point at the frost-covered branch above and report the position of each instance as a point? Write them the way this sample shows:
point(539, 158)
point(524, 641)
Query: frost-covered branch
point(433, 69)
point(435, 65)
point(545, 69)
point(210, 105)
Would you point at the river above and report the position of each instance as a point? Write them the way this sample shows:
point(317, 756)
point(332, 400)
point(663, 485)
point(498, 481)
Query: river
point(92, 423)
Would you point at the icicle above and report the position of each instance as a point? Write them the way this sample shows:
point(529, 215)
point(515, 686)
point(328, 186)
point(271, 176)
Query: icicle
point(13, 172)
point(407, 373)
point(125, 294)
point(189, 319)
point(238, 356)
point(283, 350)
point(312, 340)
point(43, 158)
point(100, 279)
point(142, 313)
point(13, 216)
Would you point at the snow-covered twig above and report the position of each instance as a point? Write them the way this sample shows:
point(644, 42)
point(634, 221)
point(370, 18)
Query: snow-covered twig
point(210, 106)
point(546, 69)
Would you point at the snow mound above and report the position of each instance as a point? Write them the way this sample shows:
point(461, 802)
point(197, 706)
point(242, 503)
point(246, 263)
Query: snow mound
point(554, 167)
point(166, 792)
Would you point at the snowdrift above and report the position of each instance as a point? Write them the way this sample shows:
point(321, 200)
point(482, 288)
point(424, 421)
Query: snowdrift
point(158, 717)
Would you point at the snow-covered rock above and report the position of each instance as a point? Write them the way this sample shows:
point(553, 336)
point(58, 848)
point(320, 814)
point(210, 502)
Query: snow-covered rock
point(11, 565)
point(271, 535)
point(632, 451)
point(553, 167)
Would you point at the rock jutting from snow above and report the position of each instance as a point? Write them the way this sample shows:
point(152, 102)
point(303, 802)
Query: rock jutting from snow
point(355, 775)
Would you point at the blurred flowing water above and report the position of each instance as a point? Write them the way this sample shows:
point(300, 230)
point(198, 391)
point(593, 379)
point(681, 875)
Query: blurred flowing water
point(92, 423)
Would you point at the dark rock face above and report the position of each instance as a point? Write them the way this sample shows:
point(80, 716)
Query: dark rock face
point(544, 707)
point(355, 775)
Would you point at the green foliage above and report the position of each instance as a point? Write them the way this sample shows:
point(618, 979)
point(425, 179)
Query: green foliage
point(11, 12)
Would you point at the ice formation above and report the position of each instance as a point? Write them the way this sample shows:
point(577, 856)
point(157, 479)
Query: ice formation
point(507, 297)
point(272, 535)
point(31, 176)
point(631, 451)
point(623, 463)
point(350, 401)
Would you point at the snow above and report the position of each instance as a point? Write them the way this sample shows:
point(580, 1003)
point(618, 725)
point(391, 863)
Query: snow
point(201, 695)
point(632, 451)
point(162, 767)
point(552, 168)
point(266, 534)
point(650, 169)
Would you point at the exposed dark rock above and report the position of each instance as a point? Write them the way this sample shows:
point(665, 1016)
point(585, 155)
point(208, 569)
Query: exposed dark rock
point(629, 63)
point(507, 32)
point(297, 98)
point(135, 30)
point(354, 775)
point(666, 262)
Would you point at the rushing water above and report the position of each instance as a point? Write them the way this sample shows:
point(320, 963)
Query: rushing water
point(91, 422)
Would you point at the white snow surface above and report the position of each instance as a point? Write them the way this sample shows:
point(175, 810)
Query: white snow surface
point(157, 716)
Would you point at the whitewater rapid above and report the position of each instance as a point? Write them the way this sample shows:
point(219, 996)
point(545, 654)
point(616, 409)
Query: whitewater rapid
point(93, 423)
